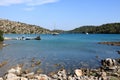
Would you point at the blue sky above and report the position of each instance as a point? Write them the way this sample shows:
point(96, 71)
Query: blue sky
point(63, 14)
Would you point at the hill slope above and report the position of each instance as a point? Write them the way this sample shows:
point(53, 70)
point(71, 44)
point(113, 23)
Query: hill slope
point(110, 28)
point(8, 26)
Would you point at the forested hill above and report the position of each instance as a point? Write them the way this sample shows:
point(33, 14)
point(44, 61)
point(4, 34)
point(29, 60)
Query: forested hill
point(111, 28)
point(8, 26)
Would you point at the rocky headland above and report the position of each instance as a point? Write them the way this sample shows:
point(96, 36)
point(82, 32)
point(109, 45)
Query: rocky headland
point(14, 27)
point(110, 70)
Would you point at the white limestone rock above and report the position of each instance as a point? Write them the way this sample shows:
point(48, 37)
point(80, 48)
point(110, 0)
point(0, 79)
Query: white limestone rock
point(78, 72)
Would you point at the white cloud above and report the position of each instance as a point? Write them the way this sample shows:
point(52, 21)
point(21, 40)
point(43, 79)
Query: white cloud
point(29, 9)
point(40, 2)
point(26, 2)
point(10, 2)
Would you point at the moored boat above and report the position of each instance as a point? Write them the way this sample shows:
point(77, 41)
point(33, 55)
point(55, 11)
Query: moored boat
point(29, 38)
point(55, 33)
point(23, 38)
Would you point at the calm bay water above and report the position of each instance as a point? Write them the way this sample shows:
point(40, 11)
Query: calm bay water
point(70, 51)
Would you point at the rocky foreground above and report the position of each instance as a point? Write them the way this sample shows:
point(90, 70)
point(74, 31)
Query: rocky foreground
point(110, 70)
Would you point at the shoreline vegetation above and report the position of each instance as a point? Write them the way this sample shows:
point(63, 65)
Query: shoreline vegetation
point(109, 28)
point(1, 39)
point(1, 36)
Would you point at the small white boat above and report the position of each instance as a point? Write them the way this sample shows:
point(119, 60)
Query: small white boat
point(29, 38)
point(23, 38)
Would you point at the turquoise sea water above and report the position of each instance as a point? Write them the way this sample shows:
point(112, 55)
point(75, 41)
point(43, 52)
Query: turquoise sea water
point(70, 51)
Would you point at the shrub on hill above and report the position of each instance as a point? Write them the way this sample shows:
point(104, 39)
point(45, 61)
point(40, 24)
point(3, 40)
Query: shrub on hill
point(1, 36)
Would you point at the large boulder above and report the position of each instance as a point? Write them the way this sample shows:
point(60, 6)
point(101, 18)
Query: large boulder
point(78, 72)
point(62, 74)
point(11, 76)
point(108, 63)
point(16, 70)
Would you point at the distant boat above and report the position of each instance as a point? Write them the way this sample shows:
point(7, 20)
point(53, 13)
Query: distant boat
point(55, 33)
point(33, 38)
point(23, 38)
point(29, 38)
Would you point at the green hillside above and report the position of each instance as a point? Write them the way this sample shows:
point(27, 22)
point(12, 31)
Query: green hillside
point(111, 28)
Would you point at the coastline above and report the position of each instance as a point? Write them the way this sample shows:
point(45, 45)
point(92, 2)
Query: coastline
point(103, 72)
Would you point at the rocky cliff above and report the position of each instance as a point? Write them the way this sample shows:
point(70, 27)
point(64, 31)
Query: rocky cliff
point(8, 26)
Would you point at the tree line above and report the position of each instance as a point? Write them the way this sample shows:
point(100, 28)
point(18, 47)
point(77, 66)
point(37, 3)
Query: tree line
point(1, 36)
point(110, 28)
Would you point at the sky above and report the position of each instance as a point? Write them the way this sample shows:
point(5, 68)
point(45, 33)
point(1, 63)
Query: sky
point(61, 14)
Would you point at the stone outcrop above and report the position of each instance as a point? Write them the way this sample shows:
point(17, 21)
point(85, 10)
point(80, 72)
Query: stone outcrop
point(109, 63)
point(78, 72)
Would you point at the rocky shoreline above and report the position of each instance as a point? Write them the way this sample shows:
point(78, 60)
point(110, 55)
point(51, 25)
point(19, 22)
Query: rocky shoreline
point(110, 70)
point(110, 43)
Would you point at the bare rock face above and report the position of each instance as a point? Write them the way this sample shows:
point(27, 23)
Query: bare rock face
point(78, 72)
point(8, 26)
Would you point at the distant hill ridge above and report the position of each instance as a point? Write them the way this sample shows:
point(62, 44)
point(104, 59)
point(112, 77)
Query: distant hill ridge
point(110, 28)
point(8, 26)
